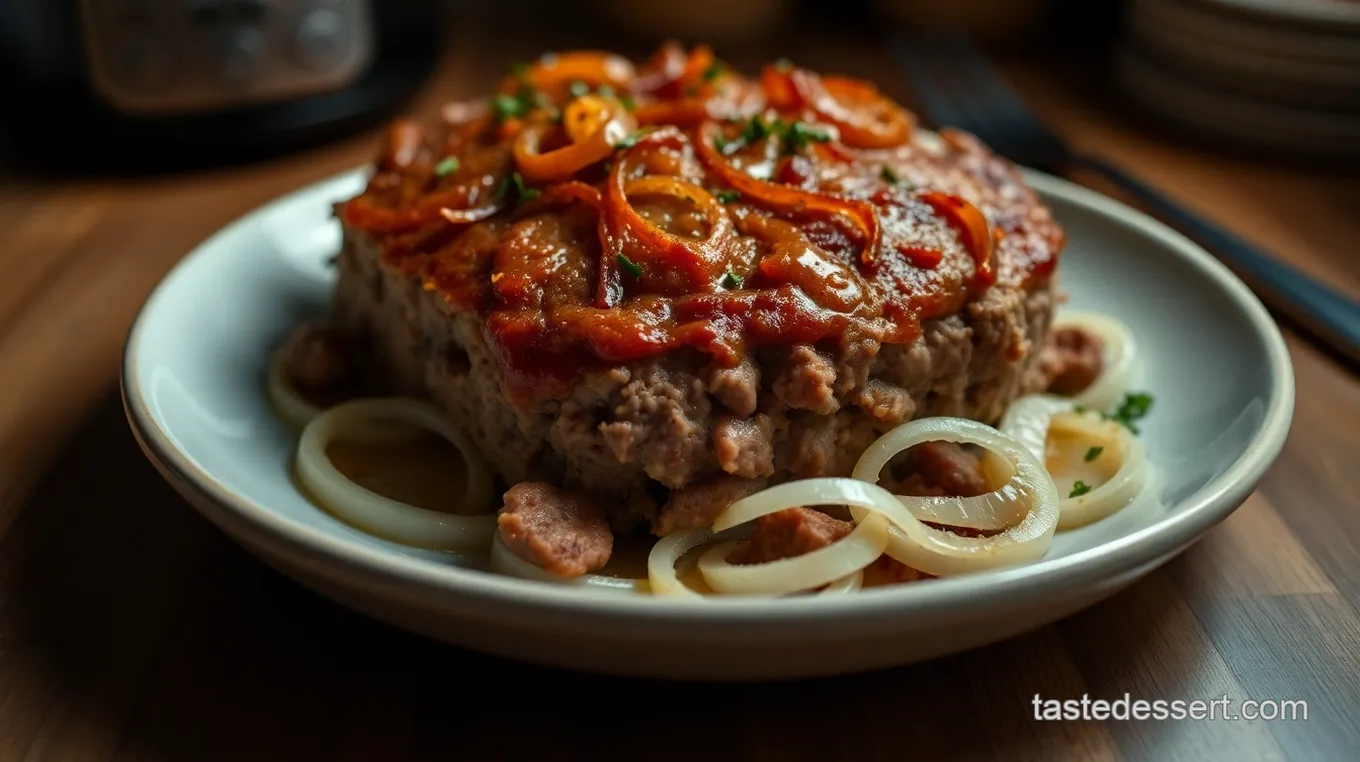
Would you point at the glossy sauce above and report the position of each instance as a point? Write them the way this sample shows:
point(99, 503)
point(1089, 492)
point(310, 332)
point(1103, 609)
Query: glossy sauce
point(425, 470)
point(716, 231)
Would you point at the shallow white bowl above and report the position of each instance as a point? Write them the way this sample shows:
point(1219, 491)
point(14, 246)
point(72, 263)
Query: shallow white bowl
point(193, 381)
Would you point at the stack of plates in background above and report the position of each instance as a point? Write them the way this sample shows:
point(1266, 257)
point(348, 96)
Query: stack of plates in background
point(1281, 75)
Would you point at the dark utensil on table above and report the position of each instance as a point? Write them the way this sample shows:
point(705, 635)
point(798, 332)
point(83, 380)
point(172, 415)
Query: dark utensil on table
point(955, 86)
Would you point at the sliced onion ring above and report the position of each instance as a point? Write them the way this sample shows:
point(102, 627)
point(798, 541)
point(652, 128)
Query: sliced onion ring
point(862, 115)
point(554, 72)
point(1027, 420)
point(1119, 356)
point(943, 553)
point(296, 410)
point(786, 198)
point(824, 566)
point(990, 512)
point(1120, 489)
point(847, 584)
point(381, 515)
point(594, 124)
point(666, 553)
point(717, 557)
point(669, 262)
point(504, 561)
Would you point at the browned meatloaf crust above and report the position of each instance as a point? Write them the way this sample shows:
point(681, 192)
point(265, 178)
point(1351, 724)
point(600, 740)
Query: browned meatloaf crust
point(628, 433)
point(667, 420)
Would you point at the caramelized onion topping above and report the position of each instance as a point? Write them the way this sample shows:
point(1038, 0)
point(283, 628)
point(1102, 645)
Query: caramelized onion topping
point(665, 262)
point(789, 200)
point(592, 213)
point(594, 125)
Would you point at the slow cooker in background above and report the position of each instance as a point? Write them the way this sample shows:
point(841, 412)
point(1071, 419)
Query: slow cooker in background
point(150, 85)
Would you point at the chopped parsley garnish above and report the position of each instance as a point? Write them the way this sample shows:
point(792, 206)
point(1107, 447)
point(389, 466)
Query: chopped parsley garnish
point(634, 269)
point(525, 192)
point(629, 141)
point(798, 135)
point(605, 91)
point(727, 196)
point(1134, 408)
point(1094, 453)
point(794, 136)
point(627, 101)
point(731, 280)
point(445, 166)
point(889, 176)
point(783, 64)
point(1080, 488)
point(757, 129)
point(522, 191)
point(577, 88)
point(510, 106)
point(713, 71)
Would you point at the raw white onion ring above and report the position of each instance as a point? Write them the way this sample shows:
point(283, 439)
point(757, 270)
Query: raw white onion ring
point(1120, 489)
point(992, 511)
point(1118, 357)
point(666, 553)
point(381, 515)
point(829, 566)
point(847, 584)
point(296, 410)
point(504, 561)
point(941, 553)
point(716, 556)
point(843, 558)
point(827, 490)
point(1028, 418)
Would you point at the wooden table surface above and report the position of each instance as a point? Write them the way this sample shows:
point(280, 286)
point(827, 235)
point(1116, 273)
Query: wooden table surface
point(131, 629)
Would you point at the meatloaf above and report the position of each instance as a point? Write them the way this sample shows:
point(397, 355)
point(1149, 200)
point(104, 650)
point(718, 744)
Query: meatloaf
point(646, 281)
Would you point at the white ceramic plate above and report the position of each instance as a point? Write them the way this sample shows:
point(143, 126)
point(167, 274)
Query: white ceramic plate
point(193, 383)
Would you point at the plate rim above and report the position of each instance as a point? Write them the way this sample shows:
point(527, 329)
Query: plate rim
point(343, 560)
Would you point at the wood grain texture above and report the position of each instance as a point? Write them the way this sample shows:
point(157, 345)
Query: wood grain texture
point(131, 630)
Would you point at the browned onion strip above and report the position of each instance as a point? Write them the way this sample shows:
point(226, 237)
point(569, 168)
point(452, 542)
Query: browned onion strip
point(873, 122)
point(596, 125)
point(554, 73)
point(695, 261)
point(783, 198)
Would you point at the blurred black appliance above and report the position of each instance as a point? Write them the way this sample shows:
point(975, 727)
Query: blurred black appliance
point(147, 85)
